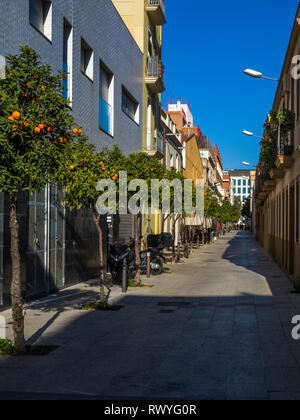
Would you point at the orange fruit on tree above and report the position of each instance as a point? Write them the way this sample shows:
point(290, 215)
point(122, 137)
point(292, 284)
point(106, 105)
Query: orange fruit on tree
point(75, 131)
point(41, 126)
point(72, 167)
point(14, 128)
point(37, 130)
point(16, 115)
point(49, 129)
point(44, 88)
point(79, 131)
point(11, 118)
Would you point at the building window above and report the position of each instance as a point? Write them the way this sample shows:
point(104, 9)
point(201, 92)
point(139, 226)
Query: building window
point(106, 100)
point(130, 106)
point(40, 16)
point(244, 182)
point(234, 182)
point(239, 183)
point(249, 190)
point(234, 191)
point(87, 60)
point(67, 61)
point(249, 183)
point(239, 190)
point(244, 190)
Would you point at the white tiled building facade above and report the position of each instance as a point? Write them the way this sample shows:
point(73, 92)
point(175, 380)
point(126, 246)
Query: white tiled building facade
point(240, 185)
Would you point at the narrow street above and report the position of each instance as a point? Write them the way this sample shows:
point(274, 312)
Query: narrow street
point(217, 327)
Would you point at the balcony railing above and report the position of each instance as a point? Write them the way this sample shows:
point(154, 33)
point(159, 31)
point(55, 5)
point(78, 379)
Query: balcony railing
point(155, 67)
point(285, 150)
point(159, 142)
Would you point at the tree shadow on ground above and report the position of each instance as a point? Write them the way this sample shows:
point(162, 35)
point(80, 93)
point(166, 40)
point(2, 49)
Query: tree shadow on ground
point(219, 332)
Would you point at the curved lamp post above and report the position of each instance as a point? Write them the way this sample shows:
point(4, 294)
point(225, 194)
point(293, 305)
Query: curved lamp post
point(258, 75)
point(248, 133)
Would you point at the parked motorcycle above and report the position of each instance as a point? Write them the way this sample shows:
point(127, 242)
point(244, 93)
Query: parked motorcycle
point(120, 251)
point(156, 262)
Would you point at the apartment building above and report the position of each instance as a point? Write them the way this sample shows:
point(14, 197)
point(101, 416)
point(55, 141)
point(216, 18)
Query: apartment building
point(218, 172)
point(144, 20)
point(173, 147)
point(278, 190)
point(208, 161)
point(226, 185)
point(105, 86)
point(193, 169)
point(240, 184)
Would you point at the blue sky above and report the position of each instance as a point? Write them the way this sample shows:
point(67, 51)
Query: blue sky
point(206, 47)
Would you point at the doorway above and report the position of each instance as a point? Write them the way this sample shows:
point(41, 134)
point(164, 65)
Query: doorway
point(46, 243)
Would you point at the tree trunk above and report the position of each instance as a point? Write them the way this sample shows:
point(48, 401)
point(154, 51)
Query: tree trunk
point(97, 220)
point(137, 251)
point(173, 239)
point(16, 286)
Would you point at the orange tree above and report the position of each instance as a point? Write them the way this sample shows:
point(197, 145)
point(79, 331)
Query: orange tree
point(36, 129)
point(79, 176)
point(211, 204)
point(146, 168)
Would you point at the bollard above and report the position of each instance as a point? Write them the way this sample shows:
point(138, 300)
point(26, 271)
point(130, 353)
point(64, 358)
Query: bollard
point(124, 276)
point(148, 264)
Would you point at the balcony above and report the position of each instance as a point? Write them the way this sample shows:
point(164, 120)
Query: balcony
point(155, 75)
point(157, 150)
point(156, 12)
point(285, 159)
point(159, 143)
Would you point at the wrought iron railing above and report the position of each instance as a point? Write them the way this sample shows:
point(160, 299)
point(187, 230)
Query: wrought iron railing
point(159, 142)
point(155, 67)
point(285, 150)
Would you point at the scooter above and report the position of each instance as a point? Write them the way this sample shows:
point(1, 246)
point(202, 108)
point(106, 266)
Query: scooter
point(118, 253)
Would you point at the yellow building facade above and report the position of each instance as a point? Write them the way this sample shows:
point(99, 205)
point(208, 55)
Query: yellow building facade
point(144, 20)
point(193, 168)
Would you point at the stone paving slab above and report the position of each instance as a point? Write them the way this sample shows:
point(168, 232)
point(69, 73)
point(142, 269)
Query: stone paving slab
point(217, 327)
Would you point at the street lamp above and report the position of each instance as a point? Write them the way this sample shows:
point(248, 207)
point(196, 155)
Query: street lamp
point(258, 75)
point(248, 164)
point(248, 133)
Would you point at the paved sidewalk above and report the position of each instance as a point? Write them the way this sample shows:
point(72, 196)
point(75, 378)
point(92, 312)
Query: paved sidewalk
point(217, 327)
